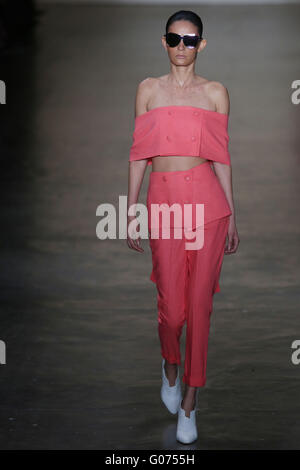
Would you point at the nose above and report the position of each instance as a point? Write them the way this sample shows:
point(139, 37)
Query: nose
point(181, 44)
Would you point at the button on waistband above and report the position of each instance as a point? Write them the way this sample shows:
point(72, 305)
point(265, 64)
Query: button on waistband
point(171, 176)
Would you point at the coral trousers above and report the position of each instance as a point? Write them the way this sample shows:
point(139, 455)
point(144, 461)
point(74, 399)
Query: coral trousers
point(187, 279)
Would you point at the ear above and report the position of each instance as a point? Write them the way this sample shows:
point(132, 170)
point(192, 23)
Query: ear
point(202, 45)
point(164, 43)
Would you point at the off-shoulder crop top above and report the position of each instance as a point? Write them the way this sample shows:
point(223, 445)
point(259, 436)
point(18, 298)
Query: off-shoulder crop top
point(181, 130)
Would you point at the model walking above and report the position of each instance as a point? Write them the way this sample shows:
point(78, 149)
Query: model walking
point(181, 122)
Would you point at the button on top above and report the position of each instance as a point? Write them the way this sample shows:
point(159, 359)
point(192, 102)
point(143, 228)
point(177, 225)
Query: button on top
point(164, 178)
point(187, 178)
point(196, 113)
point(170, 112)
point(168, 137)
point(193, 137)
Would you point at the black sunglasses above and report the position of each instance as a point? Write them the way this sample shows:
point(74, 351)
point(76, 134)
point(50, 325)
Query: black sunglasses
point(174, 39)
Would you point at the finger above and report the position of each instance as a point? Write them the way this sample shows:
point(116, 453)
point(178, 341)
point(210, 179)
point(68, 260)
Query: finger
point(128, 240)
point(137, 244)
point(131, 243)
point(234, 245)
point(229, 245)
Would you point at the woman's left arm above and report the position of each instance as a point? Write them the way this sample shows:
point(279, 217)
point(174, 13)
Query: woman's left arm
point(224, 172)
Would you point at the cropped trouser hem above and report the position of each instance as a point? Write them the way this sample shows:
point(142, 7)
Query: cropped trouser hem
point(192, 382)
point(171, 360)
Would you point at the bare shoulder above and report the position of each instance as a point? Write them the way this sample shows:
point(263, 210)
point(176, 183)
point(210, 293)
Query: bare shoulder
point(143, 94)
point(219, 95)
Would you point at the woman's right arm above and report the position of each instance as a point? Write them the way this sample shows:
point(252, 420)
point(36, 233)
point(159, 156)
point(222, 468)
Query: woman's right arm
point(136, 173)
point(136, 169)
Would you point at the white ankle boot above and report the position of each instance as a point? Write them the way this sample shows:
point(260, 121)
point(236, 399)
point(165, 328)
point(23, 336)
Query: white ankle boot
point(171, 396)
point(186, 427)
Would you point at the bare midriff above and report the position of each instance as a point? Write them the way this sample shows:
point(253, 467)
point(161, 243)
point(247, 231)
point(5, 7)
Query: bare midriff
point(175, 163)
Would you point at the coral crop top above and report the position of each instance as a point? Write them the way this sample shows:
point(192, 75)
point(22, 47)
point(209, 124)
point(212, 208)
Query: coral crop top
point(181, 130)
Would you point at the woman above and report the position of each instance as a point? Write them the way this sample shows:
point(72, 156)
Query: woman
point(181, 124)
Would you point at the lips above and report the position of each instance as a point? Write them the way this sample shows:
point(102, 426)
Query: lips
point(180, 56)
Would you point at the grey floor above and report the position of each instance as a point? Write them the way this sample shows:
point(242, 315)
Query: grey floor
point(78, 314)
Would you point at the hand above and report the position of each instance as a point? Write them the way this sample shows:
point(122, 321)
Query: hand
point(233, 238)
point(133, 244)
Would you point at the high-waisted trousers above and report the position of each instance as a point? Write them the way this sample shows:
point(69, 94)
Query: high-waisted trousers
point(187, 279)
